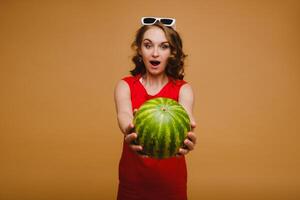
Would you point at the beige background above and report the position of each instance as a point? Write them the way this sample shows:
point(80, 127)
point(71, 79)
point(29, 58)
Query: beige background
point(60, 61)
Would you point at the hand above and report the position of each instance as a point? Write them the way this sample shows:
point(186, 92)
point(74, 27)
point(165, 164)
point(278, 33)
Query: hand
point(190, 142)
point(130, 136)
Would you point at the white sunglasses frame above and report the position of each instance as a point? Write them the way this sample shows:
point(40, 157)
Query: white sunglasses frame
point(158, 19)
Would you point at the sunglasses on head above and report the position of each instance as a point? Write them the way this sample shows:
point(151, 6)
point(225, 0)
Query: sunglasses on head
point(153, 20)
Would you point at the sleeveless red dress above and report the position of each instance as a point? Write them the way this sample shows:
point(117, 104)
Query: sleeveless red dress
point(148, 178)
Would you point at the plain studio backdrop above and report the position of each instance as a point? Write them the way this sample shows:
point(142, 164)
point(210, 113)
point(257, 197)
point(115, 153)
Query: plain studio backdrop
point(60, 62)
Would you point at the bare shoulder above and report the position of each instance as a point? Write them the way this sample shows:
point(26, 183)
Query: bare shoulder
point(121, 84)
point(122, 91)
point(186, 96)
point(186, 91)
point(122, 87)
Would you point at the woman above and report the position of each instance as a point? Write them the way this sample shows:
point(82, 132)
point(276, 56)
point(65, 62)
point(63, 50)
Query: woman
point(158, 72)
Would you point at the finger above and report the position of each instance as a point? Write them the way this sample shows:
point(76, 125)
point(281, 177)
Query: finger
point(130, 137)
point(142, 154)
point(136, 147)
point(131, 125)
point(134, 111)
point(130, 128)
point(178, 155)
point(189, 144)
point(191, 136)
point(183, 151)
point(193, 125)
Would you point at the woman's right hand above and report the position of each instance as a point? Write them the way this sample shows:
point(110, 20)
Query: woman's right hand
point(130, 136)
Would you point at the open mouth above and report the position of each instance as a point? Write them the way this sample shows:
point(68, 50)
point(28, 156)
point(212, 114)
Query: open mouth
point(154, 62)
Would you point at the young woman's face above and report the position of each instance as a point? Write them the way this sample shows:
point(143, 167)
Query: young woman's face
point(155, 51)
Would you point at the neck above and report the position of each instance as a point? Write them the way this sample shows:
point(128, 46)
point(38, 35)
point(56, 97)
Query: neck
point(152, 80)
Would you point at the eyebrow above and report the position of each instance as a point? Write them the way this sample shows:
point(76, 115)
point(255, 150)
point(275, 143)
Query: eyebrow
point(151, 41)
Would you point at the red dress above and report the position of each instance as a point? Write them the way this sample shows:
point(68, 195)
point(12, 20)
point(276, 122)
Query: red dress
point(148, 178)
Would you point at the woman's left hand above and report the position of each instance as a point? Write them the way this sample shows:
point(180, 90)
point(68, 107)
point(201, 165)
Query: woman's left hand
point(190, 142)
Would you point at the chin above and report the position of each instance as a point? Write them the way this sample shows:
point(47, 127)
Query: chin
point(155, 71)
point(156, 74)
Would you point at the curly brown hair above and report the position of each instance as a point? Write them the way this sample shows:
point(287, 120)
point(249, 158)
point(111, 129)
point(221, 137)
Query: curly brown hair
point(175, 64)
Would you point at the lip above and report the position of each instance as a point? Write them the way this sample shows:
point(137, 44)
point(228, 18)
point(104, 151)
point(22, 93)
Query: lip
point(154, 67)
point(154, 63)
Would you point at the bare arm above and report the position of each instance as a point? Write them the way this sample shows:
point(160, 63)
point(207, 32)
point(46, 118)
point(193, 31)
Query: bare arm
point(123, 106)
point(125, 114)
point(186, 99)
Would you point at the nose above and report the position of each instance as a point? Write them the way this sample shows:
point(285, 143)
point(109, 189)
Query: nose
point(155, 52)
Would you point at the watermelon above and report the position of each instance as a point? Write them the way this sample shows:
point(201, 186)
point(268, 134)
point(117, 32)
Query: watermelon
point(162, 125)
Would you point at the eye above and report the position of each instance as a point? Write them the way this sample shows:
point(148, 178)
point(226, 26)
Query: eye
point(165, 46)
point(147, 45)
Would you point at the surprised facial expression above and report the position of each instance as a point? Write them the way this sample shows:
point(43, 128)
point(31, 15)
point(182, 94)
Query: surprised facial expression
point(155, 51)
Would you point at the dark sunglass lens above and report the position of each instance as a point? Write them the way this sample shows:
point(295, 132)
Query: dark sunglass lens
point(166, 21)
point(149, 20)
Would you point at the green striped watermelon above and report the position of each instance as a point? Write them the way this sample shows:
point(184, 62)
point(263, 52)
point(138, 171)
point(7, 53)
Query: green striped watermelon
point(162, 125)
